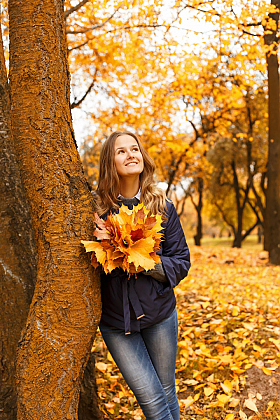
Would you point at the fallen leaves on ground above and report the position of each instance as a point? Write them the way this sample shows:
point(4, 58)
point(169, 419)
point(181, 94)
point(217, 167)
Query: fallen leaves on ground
point(229, 321)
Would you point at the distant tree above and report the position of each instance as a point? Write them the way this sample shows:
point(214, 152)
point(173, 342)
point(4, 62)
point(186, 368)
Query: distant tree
point(238, 162)
point(272, 215)
point(256, 25)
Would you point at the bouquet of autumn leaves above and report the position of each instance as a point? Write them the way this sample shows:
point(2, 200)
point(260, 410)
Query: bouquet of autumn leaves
point(128, 239)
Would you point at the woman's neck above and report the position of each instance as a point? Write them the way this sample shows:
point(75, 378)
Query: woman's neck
point(129, 188)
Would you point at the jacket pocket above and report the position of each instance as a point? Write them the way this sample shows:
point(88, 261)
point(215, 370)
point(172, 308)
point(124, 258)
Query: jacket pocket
point(160, 288)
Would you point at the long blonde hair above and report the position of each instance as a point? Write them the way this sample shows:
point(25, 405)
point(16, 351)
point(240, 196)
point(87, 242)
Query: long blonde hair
point(108, 189)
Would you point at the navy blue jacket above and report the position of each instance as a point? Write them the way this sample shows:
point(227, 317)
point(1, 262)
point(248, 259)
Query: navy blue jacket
point(142, 301)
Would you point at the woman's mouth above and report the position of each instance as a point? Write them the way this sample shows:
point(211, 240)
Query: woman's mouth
point(131, 163)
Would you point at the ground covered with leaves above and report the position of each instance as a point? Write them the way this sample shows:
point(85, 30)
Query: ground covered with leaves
point(229, 342)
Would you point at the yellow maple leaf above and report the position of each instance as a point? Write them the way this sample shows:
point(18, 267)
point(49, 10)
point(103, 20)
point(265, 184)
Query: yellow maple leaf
point(101, 366)
point(196, 397)
point(275, 342)
point(227, 387)
point(99, 255)
point(190, 382)
point(110, 407)
point(266, 371)
point(223, 399)
point(251, 405)
point(140, 252)
point(242, 415)
point(187, 402)
point(229, 416)
point(234, 402)
point(226, 359)
point(235, 311)
point(208, 391)
point(270, 405)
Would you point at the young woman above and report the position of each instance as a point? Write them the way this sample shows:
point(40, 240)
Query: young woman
point(139, 320)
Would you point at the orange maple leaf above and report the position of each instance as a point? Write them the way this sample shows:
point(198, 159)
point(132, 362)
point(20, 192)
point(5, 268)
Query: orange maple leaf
point(128, 239)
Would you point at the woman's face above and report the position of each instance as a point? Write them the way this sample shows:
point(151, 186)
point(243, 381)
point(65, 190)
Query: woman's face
point(128, 158)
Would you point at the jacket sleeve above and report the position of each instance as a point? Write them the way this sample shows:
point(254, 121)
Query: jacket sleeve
point(175, 256)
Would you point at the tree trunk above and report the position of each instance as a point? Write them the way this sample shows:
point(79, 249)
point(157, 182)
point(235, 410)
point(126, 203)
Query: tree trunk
point(272, 215)
point(237, 242)
point(17, 254)
point(260, 234)
point(88, 404)
point(65, 309)
point(198, 207)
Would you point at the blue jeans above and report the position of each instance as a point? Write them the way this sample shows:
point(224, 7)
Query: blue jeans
point(147, 360)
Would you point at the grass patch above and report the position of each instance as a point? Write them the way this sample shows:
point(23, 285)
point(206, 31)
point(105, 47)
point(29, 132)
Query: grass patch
point(251, 242)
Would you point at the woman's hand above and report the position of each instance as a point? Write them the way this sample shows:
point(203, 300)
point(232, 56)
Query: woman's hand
point(157, 273)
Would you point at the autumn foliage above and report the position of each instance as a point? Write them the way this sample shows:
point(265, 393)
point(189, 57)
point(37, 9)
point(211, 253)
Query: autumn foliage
point(188, 92)
point(128, 239)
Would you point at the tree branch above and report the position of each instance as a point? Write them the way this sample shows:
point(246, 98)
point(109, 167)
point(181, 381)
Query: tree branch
point(261, 222)
point(92, 28)
point(193, 202)
point(258, 200)
point(249, 231)
point(79, 46)
point(249, 33)
point(75, 104)
point(253, 24)
point(197, 135)
point(73, 9)
point(225, 218)
point(183, 206)
point(200, 10)
point(140, 26)
point(172, 172)
point(262, 184)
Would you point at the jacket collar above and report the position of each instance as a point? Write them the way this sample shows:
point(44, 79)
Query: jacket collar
point(138, 195)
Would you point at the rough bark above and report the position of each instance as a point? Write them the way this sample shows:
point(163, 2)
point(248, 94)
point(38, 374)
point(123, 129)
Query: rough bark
point(272, 215)
point(17, 254)
point(65, 309)
point(88, 404)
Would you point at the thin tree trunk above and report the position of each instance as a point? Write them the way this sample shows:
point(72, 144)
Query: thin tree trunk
point(66, 306)
point(17, 254)
point(272, 215)
point(259, 207)
point(237, 242)
point(260, 234)
point(198, 207)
